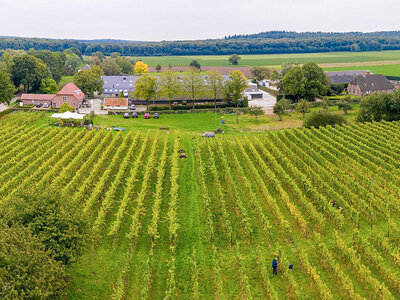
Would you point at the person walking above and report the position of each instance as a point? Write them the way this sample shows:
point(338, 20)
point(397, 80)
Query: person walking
point(275, 266)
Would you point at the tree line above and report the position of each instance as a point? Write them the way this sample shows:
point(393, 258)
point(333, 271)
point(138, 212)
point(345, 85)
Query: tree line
point(263, 43)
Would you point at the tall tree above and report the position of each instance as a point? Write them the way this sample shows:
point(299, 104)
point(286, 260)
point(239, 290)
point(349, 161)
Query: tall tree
point(110, 67)
point(145, 88)
point(238, 84)
point(170, 85)
point(234, 59)
point(48, 86)
point(193, 84)
point(307, 81)
point(53, 61)
point(216, 85)
point(260, 73)
point(29, 71)
point(315, 81)
point(125, 64)
point(72, 63)
point(141, 68)
point(7, 90)
point(90, 81)
point(195, 64)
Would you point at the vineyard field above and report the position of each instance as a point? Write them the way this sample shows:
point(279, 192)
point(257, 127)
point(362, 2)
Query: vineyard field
point(209, 225)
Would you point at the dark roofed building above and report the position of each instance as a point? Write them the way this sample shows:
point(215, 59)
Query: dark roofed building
point(345, 76)
point(114, 85)
point(367, 84)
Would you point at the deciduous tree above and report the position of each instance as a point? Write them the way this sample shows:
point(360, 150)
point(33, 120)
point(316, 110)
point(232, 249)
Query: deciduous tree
point(7, 89)
point(141, 68)
point(110, 67)
point(29, 71)
point(238, 84)
point(281, 108)
point(169, 85)
point(27, 269)
point(345, 105)
point(90, 81)
point(195, 64)
point(234, 59)
point(145, 88)
point(216, 85)
point(193, 84)
point(48, 86)
point(303, 106)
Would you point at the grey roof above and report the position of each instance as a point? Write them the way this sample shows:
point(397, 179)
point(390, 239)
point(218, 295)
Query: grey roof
point(372, 83)
point(116, 84)
point(345, 76)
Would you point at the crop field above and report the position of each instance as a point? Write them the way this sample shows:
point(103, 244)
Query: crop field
point(209, 225)
point(276, 59)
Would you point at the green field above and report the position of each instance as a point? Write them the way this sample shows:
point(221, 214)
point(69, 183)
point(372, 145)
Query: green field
point(208, 226)
point(387, 70)
point(276, 59)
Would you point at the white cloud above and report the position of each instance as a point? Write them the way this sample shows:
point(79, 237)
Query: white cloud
point(180, 19)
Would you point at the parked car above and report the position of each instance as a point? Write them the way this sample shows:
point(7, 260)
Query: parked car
point(46, 105)
point(38, 105)
point(147, 116)
point(126, 116)
point(134, 115)
point(156, 116)
point(133, 107)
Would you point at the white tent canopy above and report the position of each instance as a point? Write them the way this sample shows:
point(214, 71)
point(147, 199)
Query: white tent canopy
point(68, 115)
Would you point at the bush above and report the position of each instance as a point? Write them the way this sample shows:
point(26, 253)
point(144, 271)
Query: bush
point(51, 218)
point(322, 118)
point(380, 106)
point(27, 270)
point(66, 107)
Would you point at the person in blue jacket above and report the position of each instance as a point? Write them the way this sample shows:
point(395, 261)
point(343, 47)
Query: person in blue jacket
point(275, 266)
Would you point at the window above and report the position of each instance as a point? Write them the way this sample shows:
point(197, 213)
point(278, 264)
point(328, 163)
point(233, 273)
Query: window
point(64, 98)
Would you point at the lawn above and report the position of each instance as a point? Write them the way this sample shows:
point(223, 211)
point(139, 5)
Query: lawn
point(199, 122)
point(65, 79)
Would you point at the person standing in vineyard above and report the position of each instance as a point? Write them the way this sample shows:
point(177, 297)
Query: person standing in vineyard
point(275, 266)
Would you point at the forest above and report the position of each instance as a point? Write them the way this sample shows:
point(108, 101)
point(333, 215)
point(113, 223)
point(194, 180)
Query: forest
point(274, 42)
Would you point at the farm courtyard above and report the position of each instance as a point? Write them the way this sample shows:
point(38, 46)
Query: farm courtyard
point(209, 225)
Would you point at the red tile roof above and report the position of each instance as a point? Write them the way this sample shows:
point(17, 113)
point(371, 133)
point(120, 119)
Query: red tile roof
point(115, 102)
point(48, 97)
point(72, 89)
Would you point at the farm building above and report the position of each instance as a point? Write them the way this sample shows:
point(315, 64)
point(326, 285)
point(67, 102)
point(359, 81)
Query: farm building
point(345, 76)
point(27, 99)
point(367, 84)
point(115, 103)
point(252, 92)
point(114, 85)
point(70, 94)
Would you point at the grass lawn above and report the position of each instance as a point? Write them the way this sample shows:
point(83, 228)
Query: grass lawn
point(65, 79)
point(200, 122)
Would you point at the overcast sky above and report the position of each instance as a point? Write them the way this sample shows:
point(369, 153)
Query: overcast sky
point(153, 20)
